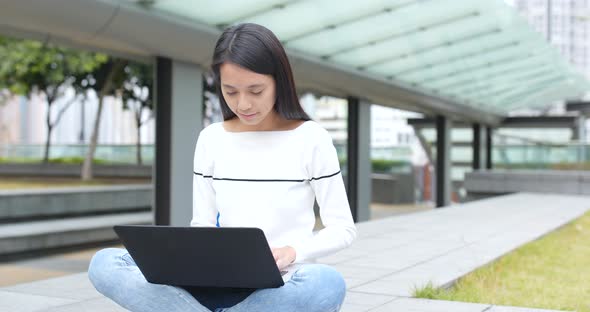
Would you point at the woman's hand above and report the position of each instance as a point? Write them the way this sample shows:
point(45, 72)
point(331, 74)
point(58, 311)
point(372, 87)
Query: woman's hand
point(283, 256)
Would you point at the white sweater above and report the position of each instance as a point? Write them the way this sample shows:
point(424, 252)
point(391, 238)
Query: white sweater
point(268, 180)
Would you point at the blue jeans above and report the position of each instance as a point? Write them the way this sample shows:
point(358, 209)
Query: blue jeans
point(314, 287)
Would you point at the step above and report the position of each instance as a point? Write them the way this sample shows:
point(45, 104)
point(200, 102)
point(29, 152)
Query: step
point(39, 235)
point(44, 203)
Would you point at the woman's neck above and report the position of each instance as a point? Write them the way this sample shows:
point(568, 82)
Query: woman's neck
point(272, 122)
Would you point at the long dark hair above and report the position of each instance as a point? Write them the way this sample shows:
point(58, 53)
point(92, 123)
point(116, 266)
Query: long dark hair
point(256, 48)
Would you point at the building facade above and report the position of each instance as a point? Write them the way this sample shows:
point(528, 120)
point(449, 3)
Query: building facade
point(565, 24)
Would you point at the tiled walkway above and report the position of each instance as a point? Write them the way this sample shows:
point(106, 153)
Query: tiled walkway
point(57, 265)
point(390, 257)
point(66, 263)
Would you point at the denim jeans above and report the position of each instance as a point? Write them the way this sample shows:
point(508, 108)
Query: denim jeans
point(313, 287)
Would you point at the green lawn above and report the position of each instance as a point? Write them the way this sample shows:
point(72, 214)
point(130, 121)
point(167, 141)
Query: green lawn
point(43, 182)
point(54, 160)
point(551, 273)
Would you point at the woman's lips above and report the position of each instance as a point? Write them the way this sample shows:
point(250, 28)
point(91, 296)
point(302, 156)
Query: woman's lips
point(248, 116)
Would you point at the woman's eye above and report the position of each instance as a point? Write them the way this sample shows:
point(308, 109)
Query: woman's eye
point(233, 93)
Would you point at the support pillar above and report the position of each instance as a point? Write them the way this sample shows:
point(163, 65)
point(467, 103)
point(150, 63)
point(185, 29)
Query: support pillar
point(359, 158)
point(179, 118)
point(478, 150)
point(582, 138)
point(489, 147)
point(443, 161)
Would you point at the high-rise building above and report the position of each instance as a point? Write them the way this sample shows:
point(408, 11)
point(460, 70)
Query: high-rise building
point(565, 24)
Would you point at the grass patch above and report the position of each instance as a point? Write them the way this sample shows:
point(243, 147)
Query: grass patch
point(429, 292)
point(11, 183)
point(550, 273)
point(56, 160)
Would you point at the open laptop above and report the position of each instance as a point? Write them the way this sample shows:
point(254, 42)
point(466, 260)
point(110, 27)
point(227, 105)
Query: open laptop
point(202, 256)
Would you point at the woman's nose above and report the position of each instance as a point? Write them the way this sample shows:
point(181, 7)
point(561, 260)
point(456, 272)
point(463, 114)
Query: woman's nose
point(243, 104)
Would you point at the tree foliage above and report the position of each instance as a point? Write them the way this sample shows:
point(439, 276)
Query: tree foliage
point(35, 68)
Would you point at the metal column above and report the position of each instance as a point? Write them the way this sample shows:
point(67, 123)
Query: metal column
point(179, 118)
point(358, 158)
point(443, 161)
point(476, 147)
point(582, 139)
point(489, 146)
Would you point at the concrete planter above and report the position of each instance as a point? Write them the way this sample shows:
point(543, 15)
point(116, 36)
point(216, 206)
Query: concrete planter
point(51, 203)
point(484, 183)
point(70, 170)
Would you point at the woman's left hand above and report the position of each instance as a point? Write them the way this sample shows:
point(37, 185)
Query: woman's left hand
point(283, 256)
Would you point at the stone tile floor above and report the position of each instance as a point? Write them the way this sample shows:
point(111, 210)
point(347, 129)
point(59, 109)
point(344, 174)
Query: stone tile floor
point(64, 263)
point(388, 260)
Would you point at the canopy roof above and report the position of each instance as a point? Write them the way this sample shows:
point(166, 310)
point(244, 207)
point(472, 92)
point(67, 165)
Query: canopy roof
point(474, 60)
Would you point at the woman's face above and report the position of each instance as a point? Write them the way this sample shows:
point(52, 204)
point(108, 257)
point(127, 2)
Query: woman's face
point(250, 95)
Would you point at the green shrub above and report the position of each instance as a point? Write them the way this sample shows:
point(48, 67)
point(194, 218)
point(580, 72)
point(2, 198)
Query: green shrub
point(382, 165)
point(386, 166)
point(57, 160)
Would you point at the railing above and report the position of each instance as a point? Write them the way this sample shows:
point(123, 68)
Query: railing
point(547, 154)
point(116, 154)
point(504, 155)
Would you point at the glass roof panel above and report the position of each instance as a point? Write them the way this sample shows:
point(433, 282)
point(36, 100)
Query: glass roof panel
point(457, 46)
point(392, 51)
point(405, 21)
point(501, 84)
point(215, 12)
point(476, 52)
point(489, 74)
point(299, 19)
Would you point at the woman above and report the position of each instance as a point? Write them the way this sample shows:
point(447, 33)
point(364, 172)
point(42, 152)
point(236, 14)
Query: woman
point(261, 167)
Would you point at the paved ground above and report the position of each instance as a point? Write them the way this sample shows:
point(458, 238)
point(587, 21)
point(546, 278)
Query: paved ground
point(390, 257)
point(66, 263)
point(35, 269)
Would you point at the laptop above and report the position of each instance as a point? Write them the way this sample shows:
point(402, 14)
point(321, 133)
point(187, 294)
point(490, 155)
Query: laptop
point(202, 256)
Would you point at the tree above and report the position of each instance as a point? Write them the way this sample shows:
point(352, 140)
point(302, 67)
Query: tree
point(32, 67)
point(105, 80)
point(5, 94)
point(137, 96)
